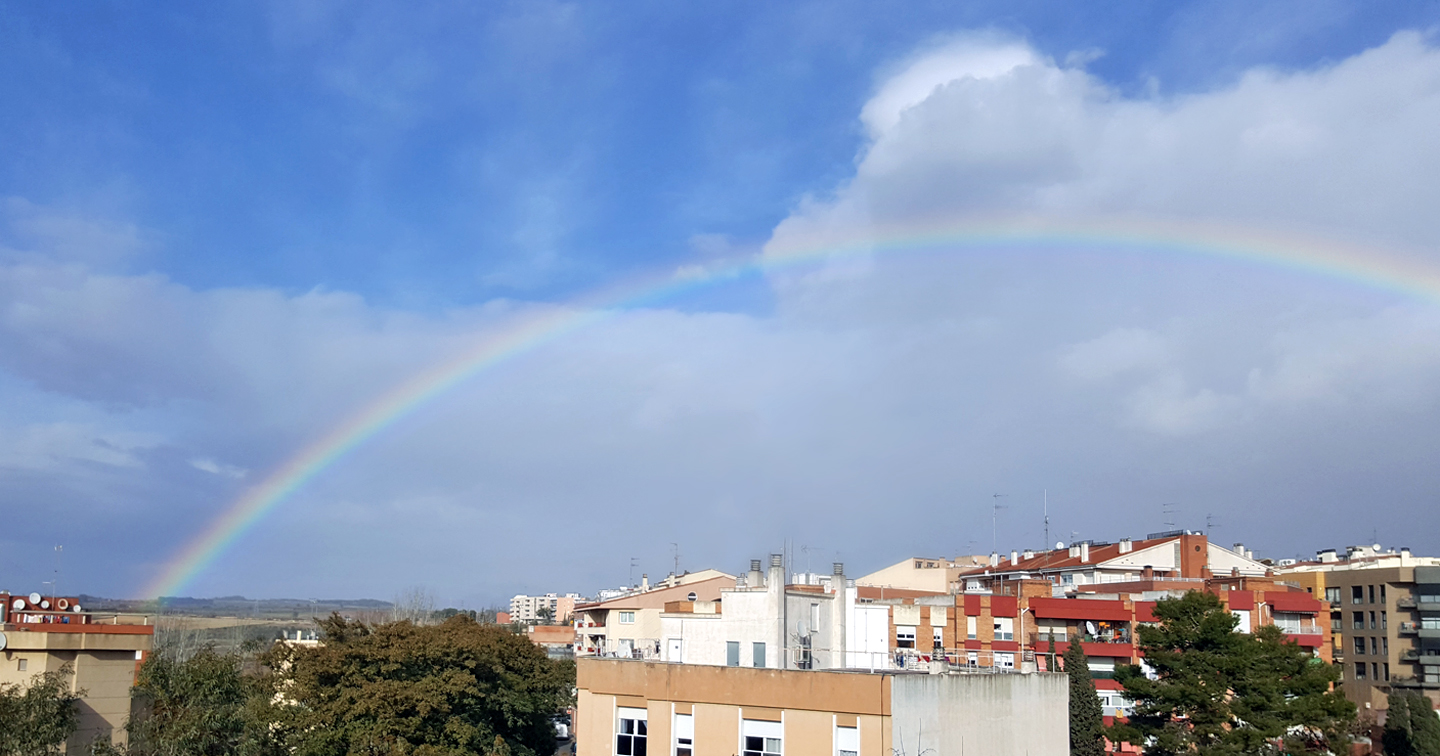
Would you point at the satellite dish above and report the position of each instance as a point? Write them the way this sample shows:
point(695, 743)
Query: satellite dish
point(44, 603)
point(801, 629)
point(1059, 544)
point(75, 608)
point(3, 641)
point(34, 598)
point(19, 604)
point(1090, 627)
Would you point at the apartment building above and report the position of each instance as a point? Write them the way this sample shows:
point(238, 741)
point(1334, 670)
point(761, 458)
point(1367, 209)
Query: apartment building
point(1178, 554)
point(637, 707)
point(922, 573)
point(103, 653)
point(629, 625)
point(552, 608)
point(1385, 619)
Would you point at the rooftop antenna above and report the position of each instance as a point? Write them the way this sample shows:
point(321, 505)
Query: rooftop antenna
point(633, 563)
point(1168, 511)
point(1209, 523)
point(994, 522)
point(1046, 494)
point(55, 585)
point(675, 547)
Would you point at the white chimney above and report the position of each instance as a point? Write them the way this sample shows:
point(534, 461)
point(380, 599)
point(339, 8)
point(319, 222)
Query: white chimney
point(1126, 546)
point(994, 559)
point(1085, 552)
point(1014, 557)
point(644, 582)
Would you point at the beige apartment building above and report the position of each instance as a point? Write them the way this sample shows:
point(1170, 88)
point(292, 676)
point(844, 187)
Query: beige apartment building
point(629, 626)
point(628, 707)
point(1385, 620)
point(99, 653)
point(555, 608)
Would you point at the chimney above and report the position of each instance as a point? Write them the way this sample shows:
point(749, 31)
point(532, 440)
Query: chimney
point(1084, 552)
point(837, 577)
point(1014, 557)
point(756, 579)
point(1234, 572)
point(1148, 572)
point(1074, 550)
point(1126, 546)
point(1028, 554)
point(777, 572)
point(994, 559)
point(644, 582)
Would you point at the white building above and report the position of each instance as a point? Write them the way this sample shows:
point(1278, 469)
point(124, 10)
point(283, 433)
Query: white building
point(528, 609)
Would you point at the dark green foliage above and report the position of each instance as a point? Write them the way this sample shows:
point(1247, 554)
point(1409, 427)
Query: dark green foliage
point(201, 706)
point(1219, 692)
point(1411, 727)
point(36, 718)
point(1087, 717)
point(443, 690)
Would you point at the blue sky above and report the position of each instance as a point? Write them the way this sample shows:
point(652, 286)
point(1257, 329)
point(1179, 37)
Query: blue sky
point(225, 228)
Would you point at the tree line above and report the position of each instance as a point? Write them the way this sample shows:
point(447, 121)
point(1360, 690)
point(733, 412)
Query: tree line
point(394, 688)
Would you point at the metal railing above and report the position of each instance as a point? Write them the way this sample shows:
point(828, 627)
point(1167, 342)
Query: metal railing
point(1405, 602)
point(1301, 629)
point(1409, 628)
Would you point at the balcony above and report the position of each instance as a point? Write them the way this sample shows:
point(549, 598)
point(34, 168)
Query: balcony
point(1405, 602)
point(1409, 628)
point(1411, 682)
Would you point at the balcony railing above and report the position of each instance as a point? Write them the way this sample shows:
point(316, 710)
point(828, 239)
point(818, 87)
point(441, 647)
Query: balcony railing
point(1409, 628)
point(1301, 630)
point(1405, 602)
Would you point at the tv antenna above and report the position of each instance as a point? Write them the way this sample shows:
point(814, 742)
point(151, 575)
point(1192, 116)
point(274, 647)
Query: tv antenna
point(634, 562)
point(675, 547)
point(1168, 511)
point(1045, 493)
point(995, 520)
point(1209, 523)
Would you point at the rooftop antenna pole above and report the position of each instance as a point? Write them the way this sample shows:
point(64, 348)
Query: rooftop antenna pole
point(676, 548)
point(1045, 544)
point(994, 522)
point(633, 563)
point(55, 585)
point(1168, 511)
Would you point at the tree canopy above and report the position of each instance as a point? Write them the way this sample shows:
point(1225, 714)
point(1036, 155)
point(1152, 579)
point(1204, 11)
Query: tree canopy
point(199, 706)
point(1213, 691)
point(38, 717)
point(441, 690)
point(1411, 727)
point(1087, 717)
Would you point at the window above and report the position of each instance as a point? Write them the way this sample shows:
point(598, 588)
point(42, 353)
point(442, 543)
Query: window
point(732, 653)
point(1385, 646)
point(1384, 622)
point(1374, 670)
point(761, 738)
point(1052, 629)
point(970, 627)
point(22, 665)
point(684, 734)
point(631, 734)
point(1004, 661)
point(1004, 628)
point(1382, 593)
point(1372, 594)
point(972, 658)
point(1357, 620)
point(937, 634)
point(904, 636)
point(1335, 624)
point(1373, 624)
point(1357, 595)
point(627, 618)
point(1430, 623)
point(847, 741)
point(1374, 646)
point(1359, 670)
point(757, 655)
point(1332, 595)
point(1359, 644)
point(1386, 668)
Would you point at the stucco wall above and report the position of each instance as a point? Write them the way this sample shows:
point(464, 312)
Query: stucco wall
point(995, 715)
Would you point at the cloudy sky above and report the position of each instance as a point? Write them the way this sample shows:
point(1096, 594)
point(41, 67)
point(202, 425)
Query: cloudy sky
point(225, 230)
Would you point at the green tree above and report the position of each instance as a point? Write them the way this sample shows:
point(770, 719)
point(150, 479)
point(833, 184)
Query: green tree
point(1087, 717)
point(439, 690)
point(1216, 692)
point(201, 706)
point(38, 717)
point(1411, 727)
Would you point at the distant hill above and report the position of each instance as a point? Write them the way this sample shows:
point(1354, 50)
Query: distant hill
point(234, 606)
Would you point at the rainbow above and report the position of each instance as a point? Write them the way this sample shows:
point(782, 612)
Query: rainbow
point(1407, 275)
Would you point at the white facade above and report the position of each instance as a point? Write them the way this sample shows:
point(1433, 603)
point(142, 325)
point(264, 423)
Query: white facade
point(527, 609)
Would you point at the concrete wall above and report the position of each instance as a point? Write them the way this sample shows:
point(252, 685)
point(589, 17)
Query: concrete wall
point(994, 715)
